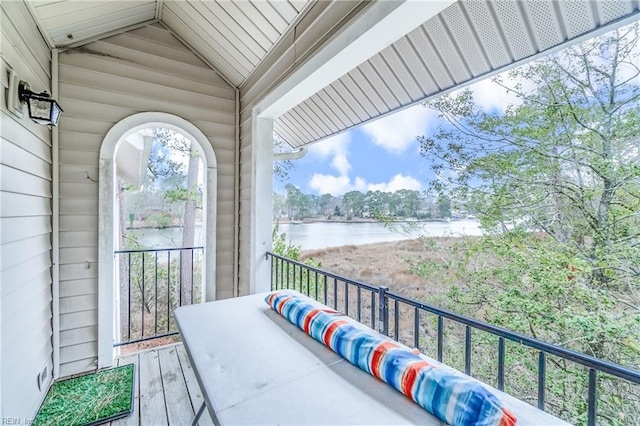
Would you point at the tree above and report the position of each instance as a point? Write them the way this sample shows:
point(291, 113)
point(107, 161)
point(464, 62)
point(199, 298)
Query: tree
point(279, 201)
point(565, 162)
point(353, 203)
point(444, 206)
point(281, 168)
point(409, 201)
point(295, 201)
point(375, 203)
point(187, 193)
point(323, 203)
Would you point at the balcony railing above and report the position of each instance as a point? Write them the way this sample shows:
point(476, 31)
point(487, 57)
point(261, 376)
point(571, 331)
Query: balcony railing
point(366, 303)
point(152, 283)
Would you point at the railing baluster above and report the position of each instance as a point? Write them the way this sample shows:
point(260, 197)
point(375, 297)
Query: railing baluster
point(286, 274)
point(129, 302)
point(324, 294)
point(285, 281)
point(274, 273)
point(346, 298)
point(416, 328)
point(467, 351)
point(373, 310)
point(155, 314)
point(542, 375)
point(383, 304)
point(192, 280)
point(359, 304)
point(180, 280)
point(335, 294)
point(440, 333)
point(500, 363)
point(592, 398)
point(148, 293)
point(396, 320)
point(168, 288)
point(143, 275)
point(315, 287)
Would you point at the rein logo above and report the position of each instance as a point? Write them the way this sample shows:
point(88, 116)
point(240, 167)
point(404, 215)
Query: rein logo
point(16, 421)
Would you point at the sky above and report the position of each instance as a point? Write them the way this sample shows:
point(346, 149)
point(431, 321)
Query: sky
point(382, 155)
point(385, 154)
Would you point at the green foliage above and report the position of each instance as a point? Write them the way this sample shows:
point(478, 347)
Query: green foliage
point(296, 278)
point(155, 280)
point(403, 203)
point(281, 168)
point(555, 181)
point(166, 183)
point(160, 220)
point(283, 247)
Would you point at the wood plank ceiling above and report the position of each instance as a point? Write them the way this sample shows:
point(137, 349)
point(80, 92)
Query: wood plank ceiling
point(468, 40)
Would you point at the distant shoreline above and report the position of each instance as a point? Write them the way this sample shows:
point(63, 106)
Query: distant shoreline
point(359, 220)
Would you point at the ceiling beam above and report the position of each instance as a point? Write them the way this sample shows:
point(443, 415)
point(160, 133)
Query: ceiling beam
point(377, 27)
point(159, 6)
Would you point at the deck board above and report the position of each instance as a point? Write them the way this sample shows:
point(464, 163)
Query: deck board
point(192, 385)
point(153, 410)
point(179, 409)
point(166, 391)
point(134, 418)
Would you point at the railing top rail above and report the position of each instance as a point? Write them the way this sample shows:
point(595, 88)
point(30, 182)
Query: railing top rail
point(159, 249)
point(326, 273)
point(577, 357)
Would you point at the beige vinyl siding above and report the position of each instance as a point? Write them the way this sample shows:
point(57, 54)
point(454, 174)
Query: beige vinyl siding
point(25, 223)
point(321, 21)
point(101, 83)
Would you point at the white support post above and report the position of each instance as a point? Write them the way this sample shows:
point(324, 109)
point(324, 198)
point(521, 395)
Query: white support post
point(106, 246)
point(55, 225)
point(261, 201)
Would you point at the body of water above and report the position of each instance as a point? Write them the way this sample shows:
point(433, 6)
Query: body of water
point(320, 235)
point(162, 238)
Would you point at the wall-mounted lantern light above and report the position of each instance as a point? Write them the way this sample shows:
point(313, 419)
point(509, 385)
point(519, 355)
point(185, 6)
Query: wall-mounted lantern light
point(42, 108)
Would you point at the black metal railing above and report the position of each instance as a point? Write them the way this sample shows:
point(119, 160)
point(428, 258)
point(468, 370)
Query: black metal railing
point(152, 283)
point(391, 309)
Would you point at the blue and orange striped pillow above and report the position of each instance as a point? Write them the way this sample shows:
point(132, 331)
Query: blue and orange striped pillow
point(452, 397)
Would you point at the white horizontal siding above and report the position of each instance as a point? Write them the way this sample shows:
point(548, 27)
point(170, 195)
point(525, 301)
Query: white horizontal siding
point(25, 224)
point(143, 70)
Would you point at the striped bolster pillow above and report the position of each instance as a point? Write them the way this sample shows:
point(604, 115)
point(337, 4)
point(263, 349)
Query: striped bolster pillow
point(454, 398)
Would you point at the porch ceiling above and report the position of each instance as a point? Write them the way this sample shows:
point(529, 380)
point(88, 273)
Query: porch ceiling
point(233, 36)
point(468, 40)
point(465, 42)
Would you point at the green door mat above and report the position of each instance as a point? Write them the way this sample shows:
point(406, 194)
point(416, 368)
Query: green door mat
point(89, 400)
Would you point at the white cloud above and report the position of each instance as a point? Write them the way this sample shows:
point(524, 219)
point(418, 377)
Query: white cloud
point(336, 185)
point(336, 147)
point(339, 185)
point(399, 181)
point(490, 95)
point(397, 132)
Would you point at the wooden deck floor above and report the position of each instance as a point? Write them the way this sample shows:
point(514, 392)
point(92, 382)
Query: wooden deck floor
point(166, 390)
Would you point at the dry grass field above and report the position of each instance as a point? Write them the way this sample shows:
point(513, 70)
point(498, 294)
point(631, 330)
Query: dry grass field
point(387, 264)
point(381, 264)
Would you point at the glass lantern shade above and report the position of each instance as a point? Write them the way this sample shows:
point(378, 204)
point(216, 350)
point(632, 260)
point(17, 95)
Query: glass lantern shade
point(42, 108)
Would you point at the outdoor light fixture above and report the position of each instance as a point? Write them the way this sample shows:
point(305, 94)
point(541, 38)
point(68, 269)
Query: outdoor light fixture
point(42, 108)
